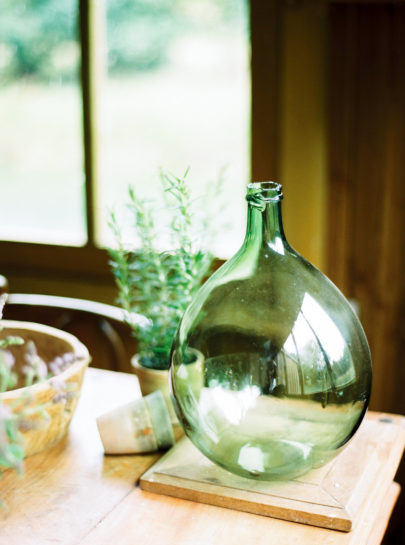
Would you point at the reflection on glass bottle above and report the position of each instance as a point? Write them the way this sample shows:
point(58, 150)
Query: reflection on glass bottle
point(270, 367)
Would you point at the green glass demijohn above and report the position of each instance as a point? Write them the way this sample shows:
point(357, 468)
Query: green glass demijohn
point(270, 368)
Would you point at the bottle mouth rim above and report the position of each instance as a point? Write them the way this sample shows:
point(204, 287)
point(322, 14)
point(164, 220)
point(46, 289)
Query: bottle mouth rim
point(266, 191)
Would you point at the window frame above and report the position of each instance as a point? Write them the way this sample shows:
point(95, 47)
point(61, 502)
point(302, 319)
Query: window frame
point(89, 263)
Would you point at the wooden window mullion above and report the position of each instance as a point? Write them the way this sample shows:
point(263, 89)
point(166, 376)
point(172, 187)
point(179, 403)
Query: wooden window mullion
point(91, 23)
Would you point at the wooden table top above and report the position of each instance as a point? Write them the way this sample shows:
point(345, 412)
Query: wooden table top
point(72, 494)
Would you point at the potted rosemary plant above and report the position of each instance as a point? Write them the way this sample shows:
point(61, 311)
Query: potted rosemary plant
point(157, 283)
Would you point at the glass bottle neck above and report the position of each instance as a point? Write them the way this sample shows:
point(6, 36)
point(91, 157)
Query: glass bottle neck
point(264, 220)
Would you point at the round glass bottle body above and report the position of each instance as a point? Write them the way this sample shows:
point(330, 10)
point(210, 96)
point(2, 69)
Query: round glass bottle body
point(270, 368)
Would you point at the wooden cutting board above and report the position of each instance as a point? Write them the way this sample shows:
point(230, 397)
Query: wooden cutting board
point(333, 496)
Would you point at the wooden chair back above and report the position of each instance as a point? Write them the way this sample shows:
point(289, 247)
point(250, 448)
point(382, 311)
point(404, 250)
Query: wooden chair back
point(102, 328)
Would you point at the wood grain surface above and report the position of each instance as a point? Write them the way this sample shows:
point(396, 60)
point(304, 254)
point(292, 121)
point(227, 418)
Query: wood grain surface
point(149, 519)
point(72, 494)
point(331, 496)
point(66, 490)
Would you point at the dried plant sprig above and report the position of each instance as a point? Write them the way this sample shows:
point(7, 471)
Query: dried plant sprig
point(8, 379)
point(160, 284)
point(36, 369)
point(11, 450)
point(21, 416)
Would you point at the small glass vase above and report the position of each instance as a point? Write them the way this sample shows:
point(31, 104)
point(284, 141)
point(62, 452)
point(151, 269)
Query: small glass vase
point(270, 367)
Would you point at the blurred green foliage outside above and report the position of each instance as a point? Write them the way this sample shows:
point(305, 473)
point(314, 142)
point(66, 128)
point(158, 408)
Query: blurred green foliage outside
point(39, 38)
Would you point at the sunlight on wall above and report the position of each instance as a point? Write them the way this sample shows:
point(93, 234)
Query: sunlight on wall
point(303, 132)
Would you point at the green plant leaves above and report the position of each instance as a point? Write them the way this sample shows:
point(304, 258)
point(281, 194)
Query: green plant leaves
point(160, 284)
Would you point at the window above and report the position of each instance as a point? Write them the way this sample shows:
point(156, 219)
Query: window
point(164, 84)
point(41, 158)
point(175, 95)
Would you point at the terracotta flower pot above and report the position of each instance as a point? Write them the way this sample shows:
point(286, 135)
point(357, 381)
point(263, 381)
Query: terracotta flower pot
point(58, 395)
point(151, 380)
point(143, 425)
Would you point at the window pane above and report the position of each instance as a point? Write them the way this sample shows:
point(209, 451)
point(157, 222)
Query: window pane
point(177, 95)
point(41, 173)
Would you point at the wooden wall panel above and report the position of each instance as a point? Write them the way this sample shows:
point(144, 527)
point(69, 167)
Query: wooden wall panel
point(366, 241)
point(265, 18)
point(303, 129)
